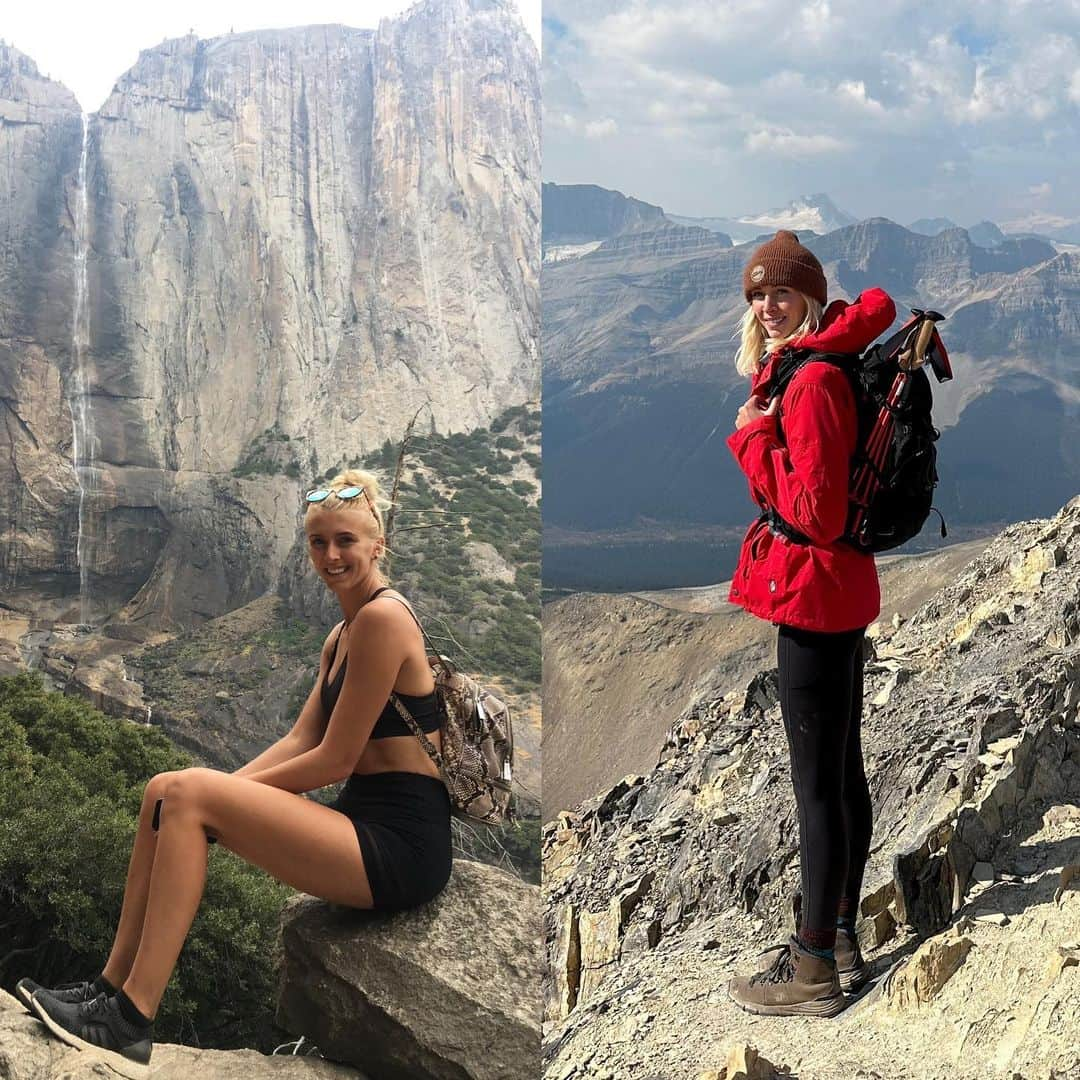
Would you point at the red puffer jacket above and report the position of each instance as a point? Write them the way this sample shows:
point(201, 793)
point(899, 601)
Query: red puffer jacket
point(825, 585)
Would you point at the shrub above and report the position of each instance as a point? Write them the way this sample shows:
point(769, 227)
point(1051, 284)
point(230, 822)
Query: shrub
point(71, 783)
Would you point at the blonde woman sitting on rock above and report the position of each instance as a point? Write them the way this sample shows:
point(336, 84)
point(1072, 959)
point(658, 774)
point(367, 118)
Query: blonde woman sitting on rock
point(384, 843)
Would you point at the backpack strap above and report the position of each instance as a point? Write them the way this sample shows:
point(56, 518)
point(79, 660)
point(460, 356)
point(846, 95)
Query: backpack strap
point(415, 728)
point(795, 360)
point(430, 644)
point(790, 365)
point(403, 712)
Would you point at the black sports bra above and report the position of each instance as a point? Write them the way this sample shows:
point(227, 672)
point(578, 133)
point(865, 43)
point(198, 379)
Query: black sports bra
point(423, 707)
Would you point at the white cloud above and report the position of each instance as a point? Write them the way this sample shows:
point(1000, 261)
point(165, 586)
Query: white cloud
point(950, 104)
point(599, 129)
point(790, 144)
point(1040, 191)
point(855, 90)
point(560, 120)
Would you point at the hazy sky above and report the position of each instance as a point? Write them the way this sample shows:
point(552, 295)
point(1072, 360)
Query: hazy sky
point(89, 46)
point(964, 109)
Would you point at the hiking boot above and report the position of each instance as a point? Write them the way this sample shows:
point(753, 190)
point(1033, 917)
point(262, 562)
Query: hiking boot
point(73, 993)
point(798, 983)
point(99, 1028)
point(852, 970)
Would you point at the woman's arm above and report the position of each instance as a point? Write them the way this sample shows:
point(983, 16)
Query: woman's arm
point(305, 734)
point(382, 634)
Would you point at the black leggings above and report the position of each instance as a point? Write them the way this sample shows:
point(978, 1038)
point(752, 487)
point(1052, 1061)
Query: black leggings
point(821, 689)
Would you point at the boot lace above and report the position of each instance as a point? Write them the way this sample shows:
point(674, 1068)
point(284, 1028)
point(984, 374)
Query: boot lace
point(780, 970)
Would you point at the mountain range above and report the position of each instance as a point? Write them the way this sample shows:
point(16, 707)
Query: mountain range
point(808, 213)
point(640, 389)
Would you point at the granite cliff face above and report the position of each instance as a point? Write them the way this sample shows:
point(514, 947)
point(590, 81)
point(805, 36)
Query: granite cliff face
point(40, 130)
point(294, 240)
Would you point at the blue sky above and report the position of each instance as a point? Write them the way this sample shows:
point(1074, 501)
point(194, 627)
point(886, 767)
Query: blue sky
point(89, 46)
point(966, 110)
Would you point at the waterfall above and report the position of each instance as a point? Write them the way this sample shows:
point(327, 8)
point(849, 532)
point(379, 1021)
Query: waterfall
point(82, 417)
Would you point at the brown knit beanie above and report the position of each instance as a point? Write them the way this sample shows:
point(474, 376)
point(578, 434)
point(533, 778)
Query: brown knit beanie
point(784, 261)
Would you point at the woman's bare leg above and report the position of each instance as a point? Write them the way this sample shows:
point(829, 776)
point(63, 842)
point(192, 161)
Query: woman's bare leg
point(300, 842)
point(129, 929)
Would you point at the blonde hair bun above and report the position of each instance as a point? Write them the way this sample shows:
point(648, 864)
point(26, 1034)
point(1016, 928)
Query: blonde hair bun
point(361, 479)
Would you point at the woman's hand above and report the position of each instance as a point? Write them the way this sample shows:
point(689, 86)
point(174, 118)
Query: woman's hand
point(754, 409)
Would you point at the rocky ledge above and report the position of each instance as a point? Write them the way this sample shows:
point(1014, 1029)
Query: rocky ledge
point(448, 991)
point(661, 888)
point(29, 1052)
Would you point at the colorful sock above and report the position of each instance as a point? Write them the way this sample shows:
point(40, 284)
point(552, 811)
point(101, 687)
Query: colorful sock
point(129, 1012)
point(818, 939)
point(844, 922)
point(843, 909)
point(103, 986)
point(825, 954)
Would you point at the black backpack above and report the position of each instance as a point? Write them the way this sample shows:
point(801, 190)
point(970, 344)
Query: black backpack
point(894, 469)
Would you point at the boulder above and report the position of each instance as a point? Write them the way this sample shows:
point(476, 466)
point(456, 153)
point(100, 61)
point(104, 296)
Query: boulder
point(921, 978)
point(447, 991)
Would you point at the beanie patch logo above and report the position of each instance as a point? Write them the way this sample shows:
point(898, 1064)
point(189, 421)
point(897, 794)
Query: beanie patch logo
point(757, 274)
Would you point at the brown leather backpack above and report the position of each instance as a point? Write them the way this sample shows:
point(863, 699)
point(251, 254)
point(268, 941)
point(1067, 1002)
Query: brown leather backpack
point(477, 758)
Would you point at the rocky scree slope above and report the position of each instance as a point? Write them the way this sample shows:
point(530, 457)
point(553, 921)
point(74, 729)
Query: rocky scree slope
point(662, 887)
point(606, 651)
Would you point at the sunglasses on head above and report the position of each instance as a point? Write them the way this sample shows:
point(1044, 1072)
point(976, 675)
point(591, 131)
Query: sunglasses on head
point(317, 495)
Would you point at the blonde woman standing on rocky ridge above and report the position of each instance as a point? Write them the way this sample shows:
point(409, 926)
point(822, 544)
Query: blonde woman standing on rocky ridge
point(385, 842)
point(796, 570)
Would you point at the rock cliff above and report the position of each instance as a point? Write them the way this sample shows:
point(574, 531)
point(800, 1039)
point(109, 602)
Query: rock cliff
point(40, 132)
point(292, 240)
point(662, 887)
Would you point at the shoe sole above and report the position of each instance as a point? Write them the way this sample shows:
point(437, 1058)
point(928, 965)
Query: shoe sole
point(23, 992)
point(824, 1007)
point(854, 980)
point(124, 1066)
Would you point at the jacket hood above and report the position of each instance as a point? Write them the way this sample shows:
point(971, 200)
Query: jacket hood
point(845, 328)
point(851, 327)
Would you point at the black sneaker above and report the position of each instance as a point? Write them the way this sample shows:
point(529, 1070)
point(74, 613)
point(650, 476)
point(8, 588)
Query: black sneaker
point(74, 993)
point(99, 1028)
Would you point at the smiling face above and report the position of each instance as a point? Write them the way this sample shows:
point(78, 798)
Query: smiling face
point(780, 310)
point(344, 546)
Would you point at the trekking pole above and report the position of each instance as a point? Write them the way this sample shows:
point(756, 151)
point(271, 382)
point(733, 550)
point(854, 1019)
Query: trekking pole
point(912, 358)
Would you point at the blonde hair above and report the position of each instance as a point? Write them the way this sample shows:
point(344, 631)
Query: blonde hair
point(753, 343)
point(371, 502)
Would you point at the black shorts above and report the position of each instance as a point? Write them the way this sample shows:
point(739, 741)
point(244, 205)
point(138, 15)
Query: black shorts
point(402, 820)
